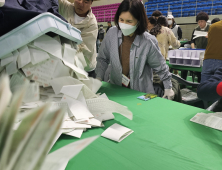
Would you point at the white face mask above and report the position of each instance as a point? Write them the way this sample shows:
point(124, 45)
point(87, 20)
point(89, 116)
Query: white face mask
point(170, 22)
point(127, 29)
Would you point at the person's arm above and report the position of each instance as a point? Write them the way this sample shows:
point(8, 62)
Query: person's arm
point(179, 32)
point(192, 41)
point(64, 7)
point(103, 58)
point(89, 36)
point(158, 64)
point(172, 39)
point(211, 89)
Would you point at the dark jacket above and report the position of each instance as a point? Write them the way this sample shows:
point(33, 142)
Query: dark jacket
point(16, 12)
point(208, 90)
point(108, 29)
point(200, 42)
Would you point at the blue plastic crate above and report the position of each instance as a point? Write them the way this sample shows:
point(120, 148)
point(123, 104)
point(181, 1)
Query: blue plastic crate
point(35, 28)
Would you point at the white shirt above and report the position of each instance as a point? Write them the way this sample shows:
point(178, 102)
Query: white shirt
point(204, 28)
point(78, 19)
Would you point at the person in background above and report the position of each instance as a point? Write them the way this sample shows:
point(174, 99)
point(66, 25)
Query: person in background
point(164, 35)
point(215, 20)
point(211, 89)
point(133, 54)
point(101, 33)
point(109, 26)
point(174, 27)
point(79, 15)
point(200, 42)
point(151, 22)
point(213, 54)
point(156, 14)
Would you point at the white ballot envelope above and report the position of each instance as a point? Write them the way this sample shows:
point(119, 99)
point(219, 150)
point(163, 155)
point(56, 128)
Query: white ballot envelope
point(116, 132)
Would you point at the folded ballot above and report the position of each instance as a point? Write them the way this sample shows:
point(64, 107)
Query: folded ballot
point(212, 120)
point(116, 132)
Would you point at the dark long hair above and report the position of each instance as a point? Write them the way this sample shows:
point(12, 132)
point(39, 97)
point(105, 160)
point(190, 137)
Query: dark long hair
point(137, 10)
point(162, 21)
point(157, 27)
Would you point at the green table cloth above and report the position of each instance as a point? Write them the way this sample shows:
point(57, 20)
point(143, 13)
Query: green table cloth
point(178, 67)
point(163, 138)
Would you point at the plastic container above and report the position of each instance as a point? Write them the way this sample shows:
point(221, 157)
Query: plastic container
point(192, 58)
point(34, 28)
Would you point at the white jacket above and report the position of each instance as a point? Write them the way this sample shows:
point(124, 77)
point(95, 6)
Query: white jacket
point(89, 30)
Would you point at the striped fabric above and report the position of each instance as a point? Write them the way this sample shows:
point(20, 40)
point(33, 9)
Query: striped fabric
point(144, 56)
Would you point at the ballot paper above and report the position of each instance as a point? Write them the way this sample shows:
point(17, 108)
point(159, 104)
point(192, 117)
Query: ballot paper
point(43, 73)
point(32, 93)
point(212, 120)
point(49, 45)
point(58, 83)
point(78, 109)
point(38, 56)
point(56, 159)
point(200, 34)
point(76, 133)
point(116, 132)
point(100, 105)
point(7, 59)
point(24, 57)
point(16, 81)
point(68, 53)
point(12, 68)
point(80, 73)
point(61, 70)
point(74, 125)
point(81, 57)
point(72, 90)
point(93, 84)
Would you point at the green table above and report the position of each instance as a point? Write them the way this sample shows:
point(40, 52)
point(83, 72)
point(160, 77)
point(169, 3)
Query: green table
point(163, 138)
point(178, 67)
point(182, 42)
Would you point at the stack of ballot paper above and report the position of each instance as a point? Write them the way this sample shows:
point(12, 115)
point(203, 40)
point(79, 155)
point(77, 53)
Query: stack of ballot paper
point(53, 70)
point(212, 120)
point(27, 148)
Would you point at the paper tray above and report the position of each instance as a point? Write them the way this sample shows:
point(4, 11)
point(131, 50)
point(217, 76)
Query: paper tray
point(34, 28)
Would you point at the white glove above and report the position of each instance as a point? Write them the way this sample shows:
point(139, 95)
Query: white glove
point(169, 93)
point(2, 2)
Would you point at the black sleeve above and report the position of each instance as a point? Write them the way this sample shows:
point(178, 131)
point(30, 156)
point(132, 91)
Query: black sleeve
point(208, 89)
point(179, 33)
point(192, 40)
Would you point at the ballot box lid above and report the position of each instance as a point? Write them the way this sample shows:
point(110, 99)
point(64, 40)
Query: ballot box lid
point(34, 28)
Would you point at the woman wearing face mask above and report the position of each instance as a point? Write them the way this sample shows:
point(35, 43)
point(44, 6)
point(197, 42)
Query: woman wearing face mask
point(164, 35)
point(132, 52)
point(174, 27)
